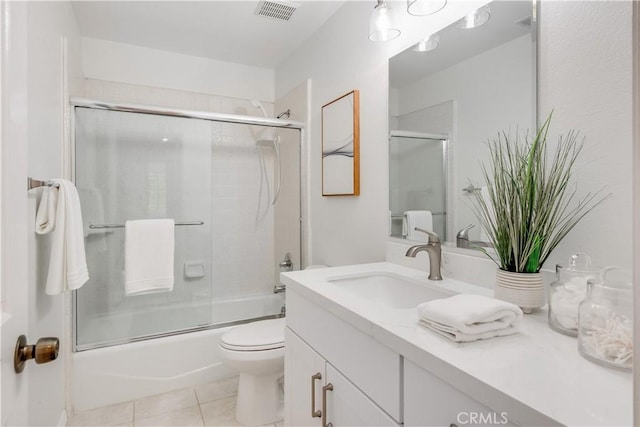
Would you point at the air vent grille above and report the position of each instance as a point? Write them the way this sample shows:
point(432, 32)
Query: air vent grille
point(279, 10)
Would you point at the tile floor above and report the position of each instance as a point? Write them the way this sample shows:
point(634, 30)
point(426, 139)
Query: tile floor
point(210, 404)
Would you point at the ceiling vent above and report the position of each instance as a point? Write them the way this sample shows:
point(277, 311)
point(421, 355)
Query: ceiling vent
point(280, 10)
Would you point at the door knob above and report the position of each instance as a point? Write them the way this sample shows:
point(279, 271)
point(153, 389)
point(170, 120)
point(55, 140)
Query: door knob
point(45, 350)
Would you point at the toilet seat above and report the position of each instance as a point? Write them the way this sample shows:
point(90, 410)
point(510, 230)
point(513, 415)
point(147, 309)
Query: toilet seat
point(256, 336)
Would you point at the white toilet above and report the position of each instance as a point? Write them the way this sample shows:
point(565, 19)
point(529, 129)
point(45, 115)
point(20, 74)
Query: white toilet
point(256, 351)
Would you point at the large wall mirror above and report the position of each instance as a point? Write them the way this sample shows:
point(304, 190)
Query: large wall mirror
point(449, 95)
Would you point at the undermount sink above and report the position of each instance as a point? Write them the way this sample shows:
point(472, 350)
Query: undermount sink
point(390, 289)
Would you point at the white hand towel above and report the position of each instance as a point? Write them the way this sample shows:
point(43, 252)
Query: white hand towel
point(59, 213)
point(470, 315)
point(148, 259)
point(457, 336)
point(46, 215)
point(420, 219)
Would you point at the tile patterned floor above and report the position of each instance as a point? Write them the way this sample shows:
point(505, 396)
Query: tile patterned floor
point(211, 404)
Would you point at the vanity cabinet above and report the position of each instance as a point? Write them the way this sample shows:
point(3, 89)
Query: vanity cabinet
point(336, 370)
point(364, 373)
point(429, 401)
point(315, 387)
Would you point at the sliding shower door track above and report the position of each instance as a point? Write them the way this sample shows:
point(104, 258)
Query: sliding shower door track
point(112, 343)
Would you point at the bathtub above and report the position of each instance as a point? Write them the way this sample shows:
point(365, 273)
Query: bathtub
point(120, 373)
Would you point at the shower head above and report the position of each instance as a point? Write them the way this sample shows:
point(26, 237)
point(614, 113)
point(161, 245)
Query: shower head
point(285, 114)
point(258, 104)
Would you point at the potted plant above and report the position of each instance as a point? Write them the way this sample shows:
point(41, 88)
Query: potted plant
point(528, 207)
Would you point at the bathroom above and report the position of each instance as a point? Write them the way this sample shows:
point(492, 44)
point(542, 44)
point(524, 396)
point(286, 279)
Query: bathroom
point(584, 74)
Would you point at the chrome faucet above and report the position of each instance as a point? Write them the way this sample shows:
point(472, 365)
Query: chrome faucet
point(462, 238)
point(433, 249)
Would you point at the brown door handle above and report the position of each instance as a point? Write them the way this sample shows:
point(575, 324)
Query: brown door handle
point(45, 350)
point(315, 413)
point(328, 387)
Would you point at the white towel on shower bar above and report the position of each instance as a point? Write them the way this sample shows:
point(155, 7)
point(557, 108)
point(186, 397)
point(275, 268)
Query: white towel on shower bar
point(420, 219)
point(148, 256)
point(59, 214)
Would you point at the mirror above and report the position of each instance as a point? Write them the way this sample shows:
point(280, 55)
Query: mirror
point(445, 104)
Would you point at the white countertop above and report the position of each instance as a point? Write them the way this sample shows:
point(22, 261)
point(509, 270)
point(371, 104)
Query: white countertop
point(538, 367)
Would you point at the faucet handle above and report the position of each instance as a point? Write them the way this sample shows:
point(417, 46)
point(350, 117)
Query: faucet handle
point(433, 237)
point(464, 233)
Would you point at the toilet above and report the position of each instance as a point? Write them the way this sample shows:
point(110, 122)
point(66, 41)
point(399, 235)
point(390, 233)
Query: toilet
point(256, 351)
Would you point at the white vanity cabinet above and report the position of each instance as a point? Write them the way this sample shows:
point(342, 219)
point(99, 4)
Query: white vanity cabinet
point(429, 401)
point(315, 387)
point(364, 374)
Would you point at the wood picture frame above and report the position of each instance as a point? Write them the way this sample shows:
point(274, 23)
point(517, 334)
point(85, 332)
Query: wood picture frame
point(341, 146)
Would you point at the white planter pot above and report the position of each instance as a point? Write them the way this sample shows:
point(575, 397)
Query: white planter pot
point(526, 290)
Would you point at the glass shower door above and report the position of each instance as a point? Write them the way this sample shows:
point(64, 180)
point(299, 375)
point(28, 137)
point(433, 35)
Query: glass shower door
point(140, 166)
point(235, 186)
point(418, 180)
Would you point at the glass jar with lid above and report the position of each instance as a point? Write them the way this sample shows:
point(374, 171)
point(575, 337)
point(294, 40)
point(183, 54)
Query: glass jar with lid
point(567, 292)
point(605, 333)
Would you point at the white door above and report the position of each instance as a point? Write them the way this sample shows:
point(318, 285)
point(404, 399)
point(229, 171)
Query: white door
point(13, 209)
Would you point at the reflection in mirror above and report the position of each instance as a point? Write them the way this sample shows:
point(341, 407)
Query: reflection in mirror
point(475, 83)
point(417, 178)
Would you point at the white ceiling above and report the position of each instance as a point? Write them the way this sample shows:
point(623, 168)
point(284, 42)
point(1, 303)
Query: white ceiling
point(222, 30)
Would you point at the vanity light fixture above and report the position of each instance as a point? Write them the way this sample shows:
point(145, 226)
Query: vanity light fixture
point(381, 26)
point(475, 18)
point(428, 44)
point(424, 7)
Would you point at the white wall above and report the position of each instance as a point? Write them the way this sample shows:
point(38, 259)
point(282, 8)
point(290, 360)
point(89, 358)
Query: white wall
point(339, 58)
point(585, 77)
point(125, 63)
point(50, 78)
point(585, 74)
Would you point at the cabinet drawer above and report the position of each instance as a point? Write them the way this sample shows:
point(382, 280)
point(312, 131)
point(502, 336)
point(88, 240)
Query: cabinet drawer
point(429, 401)
point(367, 363)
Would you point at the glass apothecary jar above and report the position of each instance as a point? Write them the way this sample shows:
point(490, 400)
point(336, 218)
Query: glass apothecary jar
point(605, 334)
point(567, 292)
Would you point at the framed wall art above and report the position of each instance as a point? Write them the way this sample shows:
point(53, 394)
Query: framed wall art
point(341, 146)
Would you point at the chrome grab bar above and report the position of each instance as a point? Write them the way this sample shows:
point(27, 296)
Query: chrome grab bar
point(101, 226)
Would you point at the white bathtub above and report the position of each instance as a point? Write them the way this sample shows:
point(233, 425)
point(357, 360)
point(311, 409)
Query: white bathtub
point(125, 372)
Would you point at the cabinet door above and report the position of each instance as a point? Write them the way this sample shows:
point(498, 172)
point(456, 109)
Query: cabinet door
point(301, 363)
point(348, 406)
point(429, 401)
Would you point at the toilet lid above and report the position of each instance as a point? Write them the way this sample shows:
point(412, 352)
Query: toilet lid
point(261, 335)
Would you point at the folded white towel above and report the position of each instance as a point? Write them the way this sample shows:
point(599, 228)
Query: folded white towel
point(457, 336)
point(468, 317)
point(420, 219)
point(59, 213)
point(148, 259)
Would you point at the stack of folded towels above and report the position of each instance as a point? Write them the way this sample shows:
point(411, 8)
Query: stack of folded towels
point(468, 317)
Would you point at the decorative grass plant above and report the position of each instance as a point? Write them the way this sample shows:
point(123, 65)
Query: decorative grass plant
point(533, 203)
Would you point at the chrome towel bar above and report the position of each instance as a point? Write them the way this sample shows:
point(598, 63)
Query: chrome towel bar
point(101, 226)
point(35, 183)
